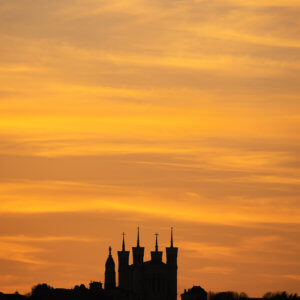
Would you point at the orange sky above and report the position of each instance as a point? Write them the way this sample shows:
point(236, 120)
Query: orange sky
point(157, 113)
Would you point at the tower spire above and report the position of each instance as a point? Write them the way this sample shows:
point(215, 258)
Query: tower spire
point(171, 237)
point(123, 257)
point(110, 273)
point(156, 244)
point(138, 252)
point(123, 244)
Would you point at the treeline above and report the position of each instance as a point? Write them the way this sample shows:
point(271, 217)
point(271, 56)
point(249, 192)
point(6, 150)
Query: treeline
point(46, 292)
point(95, 291)
point(243, 296)
point(281, 296)
point(227, 296)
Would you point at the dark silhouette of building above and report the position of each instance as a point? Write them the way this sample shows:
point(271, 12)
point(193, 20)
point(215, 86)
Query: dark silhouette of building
point(149, 280)
point(95, 287)
point(110, 273)
point(195, 293)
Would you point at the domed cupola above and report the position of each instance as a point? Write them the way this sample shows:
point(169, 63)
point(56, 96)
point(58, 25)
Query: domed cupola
point(110, 260)
point(110, 273)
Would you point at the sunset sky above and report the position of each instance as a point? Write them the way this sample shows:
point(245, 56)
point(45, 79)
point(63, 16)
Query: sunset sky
point(153, 113)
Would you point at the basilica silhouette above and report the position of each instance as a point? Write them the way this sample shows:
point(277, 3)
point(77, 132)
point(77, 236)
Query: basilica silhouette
point(143, 280)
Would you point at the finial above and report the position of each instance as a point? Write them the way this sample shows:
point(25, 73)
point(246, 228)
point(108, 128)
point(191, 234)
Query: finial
point(171, 237)
point(156, 244)
point(138, 237)
point(109, 250)
point(123, 245)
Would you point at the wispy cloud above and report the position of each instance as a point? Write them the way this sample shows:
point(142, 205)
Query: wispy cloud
point(180, 112)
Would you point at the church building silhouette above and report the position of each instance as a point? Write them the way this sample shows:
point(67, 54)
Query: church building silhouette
point(143, 280)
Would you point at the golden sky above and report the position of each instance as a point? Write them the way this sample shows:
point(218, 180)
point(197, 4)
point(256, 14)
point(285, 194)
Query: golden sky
point(157, 113)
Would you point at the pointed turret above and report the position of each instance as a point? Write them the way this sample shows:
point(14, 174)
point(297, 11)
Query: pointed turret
point(138, 237)
point(123, 244)
point(123, 265)
point(156, 256)
point(110, 273)
point(172, 253)
point(138, 252)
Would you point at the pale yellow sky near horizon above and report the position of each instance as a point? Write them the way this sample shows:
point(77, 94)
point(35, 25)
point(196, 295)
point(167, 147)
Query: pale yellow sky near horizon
point(123, 113)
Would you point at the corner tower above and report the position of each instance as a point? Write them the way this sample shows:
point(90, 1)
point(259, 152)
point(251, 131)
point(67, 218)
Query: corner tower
point(156, 256)
point(172, 269)
point(138, 252)
point(137, 282)
point(123, 266)
point(110, 273)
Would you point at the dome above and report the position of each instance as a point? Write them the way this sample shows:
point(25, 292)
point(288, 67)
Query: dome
point(110, 260)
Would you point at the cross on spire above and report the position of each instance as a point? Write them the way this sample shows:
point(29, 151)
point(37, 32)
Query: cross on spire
point(171, 237)
point(123, 244)
point(156, 244)
point(138, 237)
point(109, 250)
